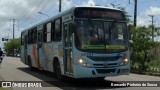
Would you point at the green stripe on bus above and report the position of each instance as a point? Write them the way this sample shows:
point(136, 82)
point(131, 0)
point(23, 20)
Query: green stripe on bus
point(93, 47)
point(115, 47)
point(103, 47)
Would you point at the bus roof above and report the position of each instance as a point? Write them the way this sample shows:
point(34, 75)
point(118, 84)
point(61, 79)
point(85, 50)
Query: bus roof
point(65, 12)
point(98, 7)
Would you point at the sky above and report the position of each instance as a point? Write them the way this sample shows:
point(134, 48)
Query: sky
point(25, 12)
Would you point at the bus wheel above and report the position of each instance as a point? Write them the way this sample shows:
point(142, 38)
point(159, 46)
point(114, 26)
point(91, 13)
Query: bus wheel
point(30, 64)
point(59, 75)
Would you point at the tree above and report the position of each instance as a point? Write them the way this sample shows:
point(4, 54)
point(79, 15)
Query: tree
point(13, 44)
point(142, 42)
point(155, 30)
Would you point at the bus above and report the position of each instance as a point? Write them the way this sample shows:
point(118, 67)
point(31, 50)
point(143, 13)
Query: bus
point(81, 42)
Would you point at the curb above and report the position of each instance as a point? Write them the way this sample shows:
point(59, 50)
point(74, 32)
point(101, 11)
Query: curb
point(147, 73)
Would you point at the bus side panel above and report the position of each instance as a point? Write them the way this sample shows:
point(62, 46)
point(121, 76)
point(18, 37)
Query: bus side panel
point(48, 53)
point(30, 51)
point(45, 50)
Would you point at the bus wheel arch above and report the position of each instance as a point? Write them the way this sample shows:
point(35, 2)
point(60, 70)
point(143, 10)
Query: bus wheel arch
point(55, 60)
point(57, 69)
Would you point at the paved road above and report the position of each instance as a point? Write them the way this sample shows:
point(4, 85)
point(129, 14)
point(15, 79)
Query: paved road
point(12, 69)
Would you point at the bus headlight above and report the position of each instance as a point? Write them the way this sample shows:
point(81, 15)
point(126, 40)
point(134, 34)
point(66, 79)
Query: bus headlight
point(83, 63)
point(124, 61)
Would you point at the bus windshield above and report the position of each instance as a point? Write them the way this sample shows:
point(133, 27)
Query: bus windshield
point(101, 36)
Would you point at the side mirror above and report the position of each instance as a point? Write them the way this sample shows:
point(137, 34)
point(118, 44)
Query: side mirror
point(130, 41)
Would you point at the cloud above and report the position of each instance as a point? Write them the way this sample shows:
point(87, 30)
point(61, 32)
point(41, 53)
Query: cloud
point(89, 3)
point(153, 11)
point(144, 20)
point(67, 4)
point(22, 11)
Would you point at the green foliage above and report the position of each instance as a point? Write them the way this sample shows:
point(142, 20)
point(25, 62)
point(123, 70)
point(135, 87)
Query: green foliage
point(141, 39)
point(142, 43)
point(8, 47)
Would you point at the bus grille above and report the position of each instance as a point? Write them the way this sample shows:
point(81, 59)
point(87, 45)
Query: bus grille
point(106, 65)
point(103, 71)
point(96, 58)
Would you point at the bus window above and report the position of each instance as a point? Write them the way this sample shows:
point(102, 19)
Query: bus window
point(34, 35)
point(29, 37)
point(44, 33)
point(48, 32)
point(57, 33)
point(22, 39)
point(52, 30)
point(40, 39)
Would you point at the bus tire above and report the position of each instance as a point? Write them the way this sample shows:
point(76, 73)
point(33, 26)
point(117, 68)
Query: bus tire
point(30, 64)
point(59, 75)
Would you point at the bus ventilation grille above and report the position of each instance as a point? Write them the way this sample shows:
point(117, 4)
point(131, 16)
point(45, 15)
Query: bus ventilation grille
point(106, 65)
point(96, 58)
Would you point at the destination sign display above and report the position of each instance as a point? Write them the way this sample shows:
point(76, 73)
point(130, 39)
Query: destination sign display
point(99, 13)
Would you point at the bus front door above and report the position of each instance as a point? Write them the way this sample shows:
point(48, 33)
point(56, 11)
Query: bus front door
point(68, 49)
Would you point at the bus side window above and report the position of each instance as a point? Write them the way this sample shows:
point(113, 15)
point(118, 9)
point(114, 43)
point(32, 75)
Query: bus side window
point(52, 30)
point(29, 37)
point(57, 33)
point(22, 38)
point(34, 35)
point(48, 35)
point(39, 39)
point(44, 33)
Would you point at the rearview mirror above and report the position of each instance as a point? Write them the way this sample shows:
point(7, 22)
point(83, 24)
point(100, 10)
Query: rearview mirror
point(130, 41)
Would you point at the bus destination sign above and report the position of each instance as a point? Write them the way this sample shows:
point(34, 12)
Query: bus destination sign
point(99, 13)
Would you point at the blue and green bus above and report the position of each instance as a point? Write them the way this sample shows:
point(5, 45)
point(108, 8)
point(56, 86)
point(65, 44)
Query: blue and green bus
point(81, 42)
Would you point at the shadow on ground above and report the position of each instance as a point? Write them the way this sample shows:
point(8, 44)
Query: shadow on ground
point(70, 84)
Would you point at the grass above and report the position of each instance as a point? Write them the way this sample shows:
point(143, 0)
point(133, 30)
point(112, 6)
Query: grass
point(3, 88)
point(152, 67)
